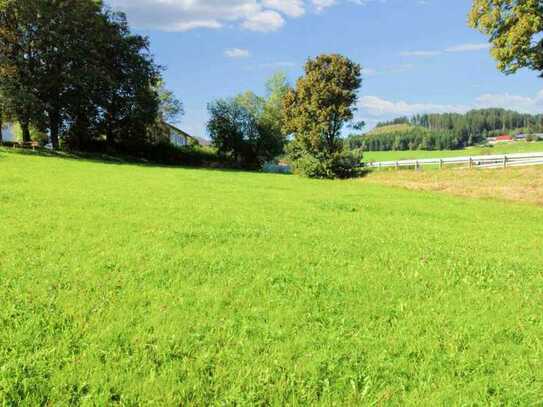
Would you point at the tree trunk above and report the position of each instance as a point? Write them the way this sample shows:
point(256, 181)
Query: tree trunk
point(25, 127)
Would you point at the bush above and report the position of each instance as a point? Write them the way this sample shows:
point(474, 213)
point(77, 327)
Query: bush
point(348, 164)
point(345, 164)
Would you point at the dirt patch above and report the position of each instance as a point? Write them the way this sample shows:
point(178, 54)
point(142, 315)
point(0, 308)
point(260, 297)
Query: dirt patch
point(513, 184)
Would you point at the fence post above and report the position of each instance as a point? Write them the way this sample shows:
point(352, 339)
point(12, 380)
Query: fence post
point(417, 165)
point(470, 162)
point(440, 164)
point(397, 165)
point(505, 161)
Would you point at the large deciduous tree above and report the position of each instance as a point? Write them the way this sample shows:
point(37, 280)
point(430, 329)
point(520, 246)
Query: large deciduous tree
point(44, 47)
point(317, 109)
point(129, 100)
point(515, 29)
point(74, 68)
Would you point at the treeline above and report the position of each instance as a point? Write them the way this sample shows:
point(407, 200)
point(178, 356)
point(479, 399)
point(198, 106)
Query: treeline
point(73, 70)
point(445, 131)
point(407, 138)
point(480, 123)
point(303, 122)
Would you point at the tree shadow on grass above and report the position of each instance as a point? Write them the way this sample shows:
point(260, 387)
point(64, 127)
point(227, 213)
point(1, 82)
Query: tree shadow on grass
point(121, 160)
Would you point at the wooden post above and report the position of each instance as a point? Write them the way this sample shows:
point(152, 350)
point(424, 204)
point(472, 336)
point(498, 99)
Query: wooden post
point(505, 161)
point(417, 165)
point(397, 165)
point(470, 162)
point(440, 164)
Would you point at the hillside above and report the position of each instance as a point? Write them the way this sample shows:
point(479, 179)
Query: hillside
point(141, 285)
point(391, 129)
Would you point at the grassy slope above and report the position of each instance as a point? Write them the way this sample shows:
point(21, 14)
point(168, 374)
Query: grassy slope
point(393, 128)
point(520, 147)
point(173, 286)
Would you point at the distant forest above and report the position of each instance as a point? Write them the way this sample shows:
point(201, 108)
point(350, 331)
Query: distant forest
point(445, 131)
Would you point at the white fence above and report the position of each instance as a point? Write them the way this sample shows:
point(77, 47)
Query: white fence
point(480, 161)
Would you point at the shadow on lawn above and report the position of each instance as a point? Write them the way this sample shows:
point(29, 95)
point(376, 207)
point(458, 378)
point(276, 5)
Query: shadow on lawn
point(101, 158)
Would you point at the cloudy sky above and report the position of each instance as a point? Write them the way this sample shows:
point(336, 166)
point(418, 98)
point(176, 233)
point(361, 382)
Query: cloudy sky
point(418, 55)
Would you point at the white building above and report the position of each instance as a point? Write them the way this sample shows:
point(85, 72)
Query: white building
point(7, 133)
point(180, 138)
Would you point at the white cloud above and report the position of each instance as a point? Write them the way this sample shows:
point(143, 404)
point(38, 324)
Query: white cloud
point(322, 4)
point(524, 104)
point(292, 8)
point(236, 53)
point(469, 47)
point(393, 69)
point(376, 106)
point(264, 21)
point(185, 15)
point(420, 53)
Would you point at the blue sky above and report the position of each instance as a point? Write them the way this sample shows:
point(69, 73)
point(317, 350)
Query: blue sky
point(418, 55)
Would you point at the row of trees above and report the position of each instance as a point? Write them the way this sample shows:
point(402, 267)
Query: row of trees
point(304, 121)
point(445, 131)
point(407, 138)
point(248, 129)
point(73, 69)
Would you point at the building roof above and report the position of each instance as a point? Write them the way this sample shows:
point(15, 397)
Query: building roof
point(183, 133)
point(504, 137)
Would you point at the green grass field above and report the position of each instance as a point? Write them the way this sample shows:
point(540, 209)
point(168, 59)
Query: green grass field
point(520, 147)
point(140, 285)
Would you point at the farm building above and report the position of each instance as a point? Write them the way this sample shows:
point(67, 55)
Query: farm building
point(504, 138)
point(180, 138)
point(7, 133)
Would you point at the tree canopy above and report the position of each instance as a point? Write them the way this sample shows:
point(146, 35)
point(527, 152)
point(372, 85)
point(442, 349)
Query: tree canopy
point(322, 102)
point(74, 69)
point(514, 28)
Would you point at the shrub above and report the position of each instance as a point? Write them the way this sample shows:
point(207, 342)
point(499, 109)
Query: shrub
point(345, 164)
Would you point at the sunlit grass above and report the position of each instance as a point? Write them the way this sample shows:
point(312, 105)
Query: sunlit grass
point(146, 285)
point(518, 147)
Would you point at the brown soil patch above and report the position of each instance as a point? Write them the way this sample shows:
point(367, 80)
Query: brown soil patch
point(513, 184)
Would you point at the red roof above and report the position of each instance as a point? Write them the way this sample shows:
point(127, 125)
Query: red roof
point(504, 137)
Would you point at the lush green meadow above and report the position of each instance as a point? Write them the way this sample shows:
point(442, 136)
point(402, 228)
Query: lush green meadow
point(519, 147)
point(140, 285)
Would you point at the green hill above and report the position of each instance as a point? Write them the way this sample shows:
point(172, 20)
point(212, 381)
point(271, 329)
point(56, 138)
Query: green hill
point(392, 129)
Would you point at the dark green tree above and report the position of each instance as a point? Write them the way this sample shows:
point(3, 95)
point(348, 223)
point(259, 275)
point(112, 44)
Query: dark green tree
point(318, 108)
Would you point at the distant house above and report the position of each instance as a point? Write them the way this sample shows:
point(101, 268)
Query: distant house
point(7, 133)
point(180, 138)
point(504, 138)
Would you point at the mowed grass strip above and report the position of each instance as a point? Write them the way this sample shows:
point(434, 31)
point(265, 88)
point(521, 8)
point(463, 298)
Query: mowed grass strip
point(506, 148)
point(521, 184)
point(143, 285)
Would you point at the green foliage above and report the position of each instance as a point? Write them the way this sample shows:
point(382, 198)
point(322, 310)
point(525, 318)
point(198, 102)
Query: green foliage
point(346, 163)
point(514, 28)
point(73, 67)
point(307, 293)
point(35, 134)
point(248, 128)
point(445, 131)
point(319, 107)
